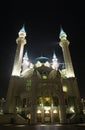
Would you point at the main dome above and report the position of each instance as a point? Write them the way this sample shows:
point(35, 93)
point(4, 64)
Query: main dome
point(42, 59)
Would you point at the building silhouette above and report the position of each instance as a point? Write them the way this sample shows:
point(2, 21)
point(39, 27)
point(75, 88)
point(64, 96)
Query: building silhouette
point(42, 91)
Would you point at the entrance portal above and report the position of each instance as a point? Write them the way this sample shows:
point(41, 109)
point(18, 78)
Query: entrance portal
point(47, 110)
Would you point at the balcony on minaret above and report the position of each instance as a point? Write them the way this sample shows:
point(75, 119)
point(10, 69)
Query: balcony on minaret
point(63, 35)
point(22, 32)
point(21, 41)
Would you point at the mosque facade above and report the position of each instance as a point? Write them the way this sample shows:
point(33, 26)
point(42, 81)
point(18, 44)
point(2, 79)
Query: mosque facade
point(41, 91)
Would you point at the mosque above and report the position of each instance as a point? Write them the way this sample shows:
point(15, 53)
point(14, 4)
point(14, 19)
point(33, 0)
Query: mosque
point(42, 91)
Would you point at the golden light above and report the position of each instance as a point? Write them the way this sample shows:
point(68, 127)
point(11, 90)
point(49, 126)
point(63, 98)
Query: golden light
point(38, 111)
point(38, 64)
point(29, 116)
point(64, 88)
point(44, 77)
point(72, 109)
point(47, 99)
point(47, 111)
point(47, 108)
point(47, 64)
point(55, 111)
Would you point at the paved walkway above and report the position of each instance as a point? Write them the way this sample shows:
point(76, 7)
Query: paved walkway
point(42, 127)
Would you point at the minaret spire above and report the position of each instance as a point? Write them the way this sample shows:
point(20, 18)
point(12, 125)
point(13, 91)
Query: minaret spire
point(21, 41)
point(26, 62)
point(63, 35)
point(55, 64)
point(22, 31)
point(66, 53)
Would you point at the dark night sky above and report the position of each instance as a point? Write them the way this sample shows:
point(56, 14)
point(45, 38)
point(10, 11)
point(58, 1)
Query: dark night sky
point(42, 23)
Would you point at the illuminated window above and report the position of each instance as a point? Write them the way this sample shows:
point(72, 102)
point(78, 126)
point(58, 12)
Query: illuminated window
point(47, 101)
point(64, 88)
point(28, 85)
point(44, 76)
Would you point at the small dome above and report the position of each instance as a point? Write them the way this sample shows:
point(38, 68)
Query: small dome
point(42, 59)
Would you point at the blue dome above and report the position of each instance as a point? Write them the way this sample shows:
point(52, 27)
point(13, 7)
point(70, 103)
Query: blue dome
point(42, 59)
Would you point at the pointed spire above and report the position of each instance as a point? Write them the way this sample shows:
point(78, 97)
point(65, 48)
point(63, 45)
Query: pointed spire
point(22, 29)
point(26, 55)
point(62, 31)
point(22, 32)
point(62, 35)
point(55, 64)
point(54, 56)
point(26, 62)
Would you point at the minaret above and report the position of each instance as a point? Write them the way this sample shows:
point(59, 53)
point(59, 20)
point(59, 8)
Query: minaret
point(26, 62)
point(10, 101)
point(55, 64)
point(64, 43)
point(21, 41)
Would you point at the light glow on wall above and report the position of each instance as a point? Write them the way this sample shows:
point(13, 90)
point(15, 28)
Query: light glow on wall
point(72, 109)
point(47, 111)
point(65, 89)
point(47, 64)
point(55, 111)
point(38, 64)
point(38, 111)
point(47, 108)
point(44, 76)
point(29, 116)
point(70, 74)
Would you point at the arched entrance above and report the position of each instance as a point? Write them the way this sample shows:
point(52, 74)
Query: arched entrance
point(47, 109)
